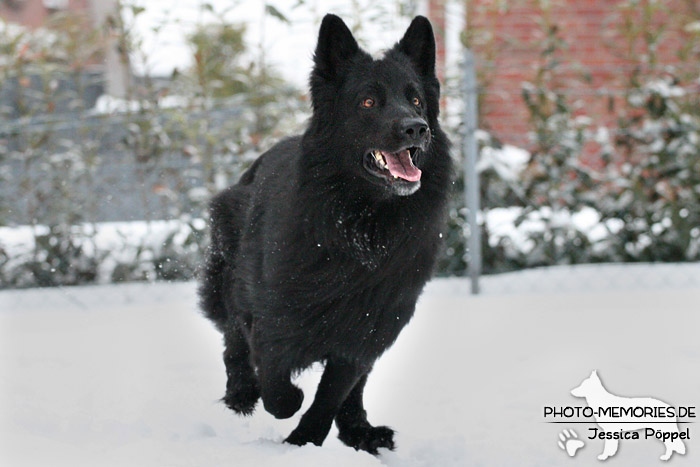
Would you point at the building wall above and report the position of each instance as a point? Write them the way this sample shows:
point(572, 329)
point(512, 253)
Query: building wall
point(436, 13)
point(34, 13)
point(507, 38)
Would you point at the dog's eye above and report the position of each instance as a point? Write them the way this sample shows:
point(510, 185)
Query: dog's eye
point(416, 102)
point(367, 103)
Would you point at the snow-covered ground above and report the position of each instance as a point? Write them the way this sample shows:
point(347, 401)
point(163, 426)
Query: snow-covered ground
point(130, 375)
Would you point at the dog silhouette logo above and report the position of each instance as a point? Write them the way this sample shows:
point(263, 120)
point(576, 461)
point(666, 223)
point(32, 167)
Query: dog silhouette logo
point(623, 418)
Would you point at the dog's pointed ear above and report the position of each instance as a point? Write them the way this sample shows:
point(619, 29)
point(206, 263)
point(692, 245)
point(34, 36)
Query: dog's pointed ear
point(594, 374)
point(335, 47)
point(419, 45)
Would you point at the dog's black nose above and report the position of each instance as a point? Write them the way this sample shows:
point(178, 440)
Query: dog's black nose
point(414, 128)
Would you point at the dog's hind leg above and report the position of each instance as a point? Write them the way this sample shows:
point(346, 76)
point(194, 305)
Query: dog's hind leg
point(338, 380)
point(353, 428)
point(609, 449)
point(242, 389)
point(673, 446)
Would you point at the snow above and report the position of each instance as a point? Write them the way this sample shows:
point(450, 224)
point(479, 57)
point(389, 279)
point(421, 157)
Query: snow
point(510, 223)
point(664, 87)
point(16, 37)
point(693, 26)
point(117, 375)
point(107, 105)
point(120, 242)
point(508, 161)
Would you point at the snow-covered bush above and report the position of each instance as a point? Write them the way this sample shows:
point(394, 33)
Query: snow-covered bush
point(655, 188)
point(654, 181)
point(555, 183)
point(626, 192)
point(182, 139)
point(530, 199)
point(42, 75)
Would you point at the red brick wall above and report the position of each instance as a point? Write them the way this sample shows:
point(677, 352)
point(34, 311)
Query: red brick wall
point(436, 13)
point(507, 42)
point(33, 13)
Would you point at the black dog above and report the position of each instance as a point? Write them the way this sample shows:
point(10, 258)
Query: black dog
point(321, 250)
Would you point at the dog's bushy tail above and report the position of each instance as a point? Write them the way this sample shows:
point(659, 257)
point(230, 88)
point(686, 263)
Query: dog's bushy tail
point(227, 215)
point(211, 289)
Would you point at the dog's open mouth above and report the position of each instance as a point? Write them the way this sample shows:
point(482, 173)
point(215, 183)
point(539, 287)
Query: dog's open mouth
point(393, 166)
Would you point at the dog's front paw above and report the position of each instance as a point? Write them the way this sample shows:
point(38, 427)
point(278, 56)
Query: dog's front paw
point(301, 436)
point(242, 397)
point(284, 404)
point(368, 438)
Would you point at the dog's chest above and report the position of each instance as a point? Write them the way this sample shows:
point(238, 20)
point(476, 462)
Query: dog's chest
point(369, 236)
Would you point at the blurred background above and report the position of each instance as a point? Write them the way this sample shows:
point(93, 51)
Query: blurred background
point(120, 119)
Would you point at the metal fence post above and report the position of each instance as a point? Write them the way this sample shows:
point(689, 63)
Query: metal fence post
point(471, 177)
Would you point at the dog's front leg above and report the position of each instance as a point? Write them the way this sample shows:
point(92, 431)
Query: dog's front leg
point(336, 383)
point(280, 397)
point(609, 449)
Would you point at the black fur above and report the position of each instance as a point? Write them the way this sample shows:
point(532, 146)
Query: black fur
point(313, 257)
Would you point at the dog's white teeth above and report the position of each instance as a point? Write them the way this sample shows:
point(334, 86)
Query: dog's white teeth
point(395, 176)
point(379, 157)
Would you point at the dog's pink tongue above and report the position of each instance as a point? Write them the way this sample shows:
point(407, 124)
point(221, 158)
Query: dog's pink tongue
point(400, 165)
